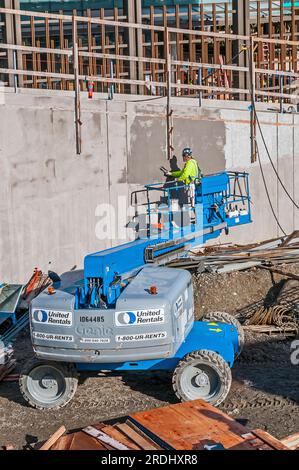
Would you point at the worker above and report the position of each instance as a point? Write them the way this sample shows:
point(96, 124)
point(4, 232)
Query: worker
point(191, 170)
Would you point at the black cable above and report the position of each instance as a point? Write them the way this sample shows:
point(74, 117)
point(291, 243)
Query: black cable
point(267, 192)
point(150, 98)
point(271, 161)
point(259, 157)
point(265, 144)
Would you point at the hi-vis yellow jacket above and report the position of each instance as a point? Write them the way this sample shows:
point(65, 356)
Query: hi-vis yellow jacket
point(189, 173)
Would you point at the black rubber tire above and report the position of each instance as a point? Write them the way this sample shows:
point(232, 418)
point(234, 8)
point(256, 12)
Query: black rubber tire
point(223, 317)
point(212, 360)
point(69, 374)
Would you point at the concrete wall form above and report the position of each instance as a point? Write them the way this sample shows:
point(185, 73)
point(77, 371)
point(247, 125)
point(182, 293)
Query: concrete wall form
point(49, 196)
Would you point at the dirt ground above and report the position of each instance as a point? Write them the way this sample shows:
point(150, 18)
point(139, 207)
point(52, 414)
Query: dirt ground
point(264, 394)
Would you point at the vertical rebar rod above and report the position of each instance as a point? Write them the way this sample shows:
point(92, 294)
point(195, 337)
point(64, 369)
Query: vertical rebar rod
point(111, 88)
point(15, 78)
point(77, 88)
point(199, 82)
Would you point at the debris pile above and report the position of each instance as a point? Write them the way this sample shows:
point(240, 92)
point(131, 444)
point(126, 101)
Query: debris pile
point(280, 315)
point(14, 303)
point(168, 428)
point(225, 258)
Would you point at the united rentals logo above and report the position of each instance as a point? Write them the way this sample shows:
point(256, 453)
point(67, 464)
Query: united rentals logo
point(40, 316)
point(295, 353)
point(52, 317)
point(139, 317)
point(125, 318)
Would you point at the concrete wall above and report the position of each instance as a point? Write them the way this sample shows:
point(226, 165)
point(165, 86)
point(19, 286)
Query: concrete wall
point(50, 197)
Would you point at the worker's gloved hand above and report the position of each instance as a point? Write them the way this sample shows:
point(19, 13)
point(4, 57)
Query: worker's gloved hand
point(168, 173)
point(164, 170)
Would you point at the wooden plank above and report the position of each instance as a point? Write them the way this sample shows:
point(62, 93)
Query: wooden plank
point(279, 271)
point(185, 425)
point(53, 63)
point(272, 330)
point(81, 441)
point(38, 60)
point(47, 32)
point(274, 41)
point(204, 50)
point(213, 66)
point(116, 42)
point(140, 441)
point(103, 44)
point(34, 63)
point(191, 46)
point(270, 27)
point(270, 440)
point(105, 438)
point(215, 51)
point(282, 32)
point(89, 43)
point(292, 442)
point(18, 40)
point(83, 19)
point(54, 438)
point(82, 53)
point(64, 442)
point(8, 447)
point(62, 58)
point(153, 41)
point(112, 431)
point(293, 31)
point(137, 26)
point(126, 81)
point(179, 54)
point(228, 44)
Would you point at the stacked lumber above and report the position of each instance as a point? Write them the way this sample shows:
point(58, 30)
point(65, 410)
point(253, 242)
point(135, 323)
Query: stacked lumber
point(223, 259)
point(7, 361)
point(193, 425)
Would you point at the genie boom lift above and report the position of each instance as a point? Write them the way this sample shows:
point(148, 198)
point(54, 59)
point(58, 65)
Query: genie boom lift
point(132, 312)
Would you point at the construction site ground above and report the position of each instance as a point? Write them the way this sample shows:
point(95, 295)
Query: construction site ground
point(264, 394)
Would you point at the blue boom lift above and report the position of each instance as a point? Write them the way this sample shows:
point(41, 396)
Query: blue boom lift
point(133, 312)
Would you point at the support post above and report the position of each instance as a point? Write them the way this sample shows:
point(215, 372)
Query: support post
point(139, 42)
point(241, 25)
point(77, 88)
point(15, 68)
point(18, 40)
point(111, 87)
point(9, 33)
point(281, 91)
point(252, 94)
point(131, 40)
point(199, 82)
point(169, 111)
